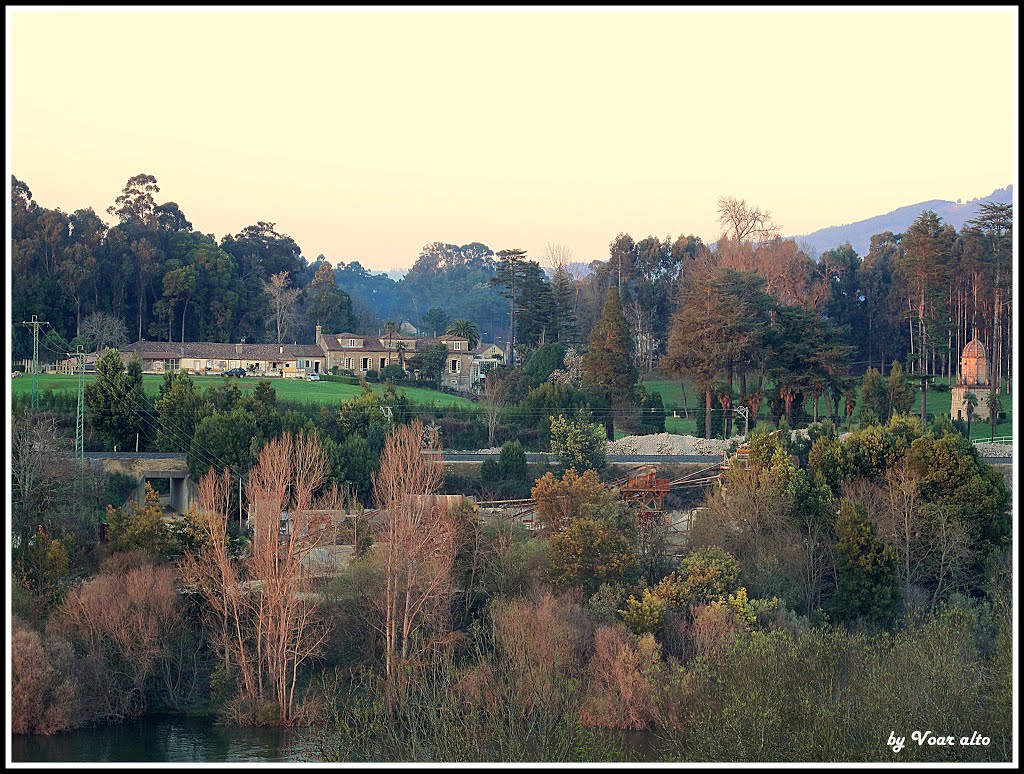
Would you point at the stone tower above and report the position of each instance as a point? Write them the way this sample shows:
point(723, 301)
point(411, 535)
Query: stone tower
point(973, 378)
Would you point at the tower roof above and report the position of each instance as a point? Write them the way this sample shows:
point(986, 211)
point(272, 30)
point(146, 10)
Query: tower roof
point(975, 348)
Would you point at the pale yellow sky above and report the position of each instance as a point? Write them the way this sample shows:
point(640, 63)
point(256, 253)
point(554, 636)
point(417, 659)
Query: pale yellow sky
point(366, 135)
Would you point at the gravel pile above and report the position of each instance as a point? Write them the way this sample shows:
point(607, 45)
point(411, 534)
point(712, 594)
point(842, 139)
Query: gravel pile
point(666, 443)
point(994, 449)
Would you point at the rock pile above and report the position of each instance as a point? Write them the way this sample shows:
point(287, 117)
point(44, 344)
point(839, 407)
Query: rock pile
point(994, 449)
point(666, 443)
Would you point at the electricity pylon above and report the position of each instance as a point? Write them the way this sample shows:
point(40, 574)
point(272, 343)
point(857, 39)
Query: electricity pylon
point(34, 325)
point(80, 413)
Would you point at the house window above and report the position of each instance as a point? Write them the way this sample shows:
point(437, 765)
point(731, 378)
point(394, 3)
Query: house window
point(383, 362)
point(458, 345)
point(366, 364)
point(348, 364)
point(351, 342)
point(454, 366)
point(170, 365)
point(301, 363)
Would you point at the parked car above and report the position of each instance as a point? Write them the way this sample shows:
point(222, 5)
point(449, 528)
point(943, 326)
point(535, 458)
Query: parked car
point(239, 372)
point(313, 377)
point(17, 374)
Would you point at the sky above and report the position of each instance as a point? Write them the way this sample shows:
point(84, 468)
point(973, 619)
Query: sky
point(366, 135)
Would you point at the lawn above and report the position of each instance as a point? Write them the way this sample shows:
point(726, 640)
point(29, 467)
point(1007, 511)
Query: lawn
point(286, 389)
point(937, 403)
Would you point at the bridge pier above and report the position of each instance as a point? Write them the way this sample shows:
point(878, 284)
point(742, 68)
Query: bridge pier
point(183, 490)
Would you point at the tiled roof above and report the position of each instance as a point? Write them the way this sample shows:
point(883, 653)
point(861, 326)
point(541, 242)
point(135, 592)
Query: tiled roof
point(212, 350)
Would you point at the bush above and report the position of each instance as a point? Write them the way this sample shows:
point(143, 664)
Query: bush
point(622, 692)
point(339, 377)
point(578, 443)
point(513, 462)
point(392, 373)
point(45, 695)
point(140, 529)
point(124, 630)
point(371, 376)
point(652, 413)
point(119, 487)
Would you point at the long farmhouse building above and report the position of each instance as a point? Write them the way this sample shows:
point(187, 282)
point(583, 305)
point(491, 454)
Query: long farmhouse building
point(353, 353)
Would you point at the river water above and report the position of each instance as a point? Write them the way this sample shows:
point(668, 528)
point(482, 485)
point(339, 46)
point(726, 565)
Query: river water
point(168, 739)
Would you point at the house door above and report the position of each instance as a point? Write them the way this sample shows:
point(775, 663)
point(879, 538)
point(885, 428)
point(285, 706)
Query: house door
point(316, 366)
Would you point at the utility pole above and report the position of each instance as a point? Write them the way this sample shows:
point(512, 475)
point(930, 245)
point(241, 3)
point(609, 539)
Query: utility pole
point(34, 325)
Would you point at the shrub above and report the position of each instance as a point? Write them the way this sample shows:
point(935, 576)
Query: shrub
point(392, 373)
point(140, 529)
point(45, 695)
point(622, 693)
point(577, 442)
point(121, 628)
point(119, 487)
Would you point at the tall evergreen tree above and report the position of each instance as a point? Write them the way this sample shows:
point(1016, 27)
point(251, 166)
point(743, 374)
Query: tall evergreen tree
point(178, 412)
point(564, 297)
point(608, 365)
point(509, 275)
point(115, 401)
point(867, 584)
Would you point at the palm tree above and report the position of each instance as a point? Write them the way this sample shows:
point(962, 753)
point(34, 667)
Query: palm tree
point(400, 349)
point(754, 402)
point(725, 400)
point(848, 406)
point(970, 401)
point(994, 407)
point(467, 329)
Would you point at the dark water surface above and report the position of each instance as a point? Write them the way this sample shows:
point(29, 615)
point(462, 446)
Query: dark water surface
point(164, 739)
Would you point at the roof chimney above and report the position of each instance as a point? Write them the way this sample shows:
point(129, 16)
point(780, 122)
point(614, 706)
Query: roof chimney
point(238, 349)
point(319, 332)
point(280, 349)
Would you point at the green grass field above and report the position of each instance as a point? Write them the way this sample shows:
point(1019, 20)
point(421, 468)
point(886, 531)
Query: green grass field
point(936, 402)
point(286, 389)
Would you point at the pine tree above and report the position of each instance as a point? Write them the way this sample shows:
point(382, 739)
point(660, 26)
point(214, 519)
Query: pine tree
point(608, 365)
point(509, 275)
point(565, 313)
point(866, 580)
point(115, 402)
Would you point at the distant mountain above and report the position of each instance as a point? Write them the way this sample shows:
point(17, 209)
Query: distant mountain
point(859, 234)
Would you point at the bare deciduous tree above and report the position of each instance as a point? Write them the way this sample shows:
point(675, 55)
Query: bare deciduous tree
point(283, 314)
point(40, 471)
point(104, 330)
point(493, 401)
point(745, 222)
point(930, 541)
point(264, 623)
point(415, 543)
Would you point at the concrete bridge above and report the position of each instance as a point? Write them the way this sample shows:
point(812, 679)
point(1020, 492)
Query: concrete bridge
point(143, 467)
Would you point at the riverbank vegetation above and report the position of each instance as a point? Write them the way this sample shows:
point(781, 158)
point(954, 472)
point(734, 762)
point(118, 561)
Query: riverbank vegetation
point(830, 592)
